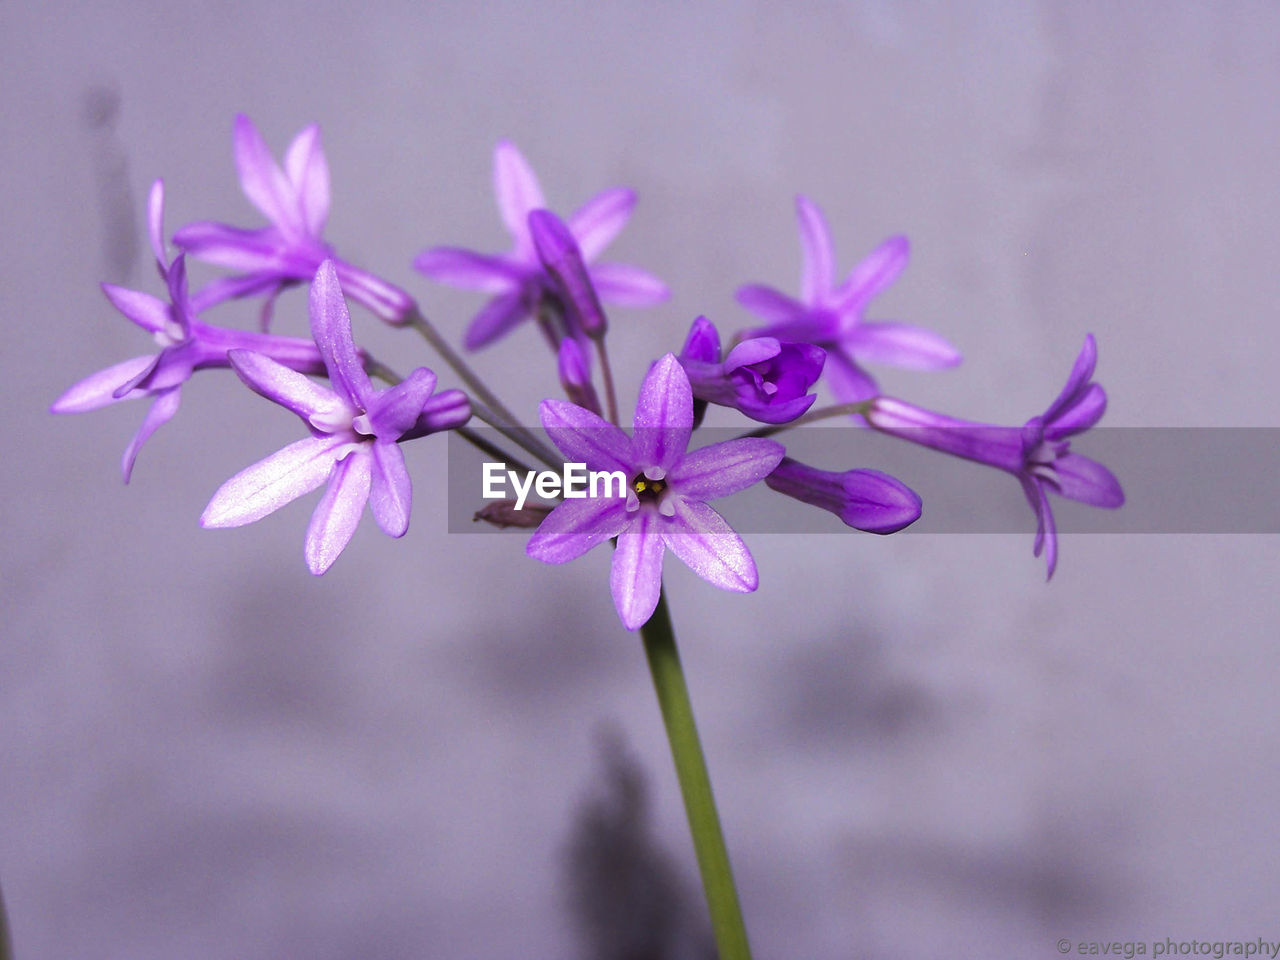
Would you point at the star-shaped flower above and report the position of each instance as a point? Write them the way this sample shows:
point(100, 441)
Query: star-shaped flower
point(518, 279)
point(295, 200)
point(663, 506)
point(832, 317)
point(1038, 453)
point(186, 345)
point(355, 432)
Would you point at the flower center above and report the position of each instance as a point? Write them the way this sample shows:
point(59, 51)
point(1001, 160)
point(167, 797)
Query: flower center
point(647, 489)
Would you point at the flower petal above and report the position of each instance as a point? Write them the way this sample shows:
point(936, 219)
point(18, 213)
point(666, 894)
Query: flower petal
point(627, 286)
point(1081, 373)
point(635, 576)
point(815, 240)
point(468, 269)
point(99, 389)
point(769, 304)
point(707, 544)
point(1084, 410)
point(900, 345)
point(390, 490)
point(234, 287)
point(308, 171)
point(583, 437)
point(161, 412)
point(601, 219)
point(575, 526)
point(155, 224)
point(849, 382)
point(262, 180)
point(313, 402)
point(497, 318)
point(873, 275)
point(384, 299)
point(233, 247)
point(664, 415)
point(517, 189)
point(724, 468)
point(274, 481)
point(337, 514)
point(878, 502)
point(150, 313)
point(703, 343)
point(1080, 478)
point(331, 330)
point(394, 410)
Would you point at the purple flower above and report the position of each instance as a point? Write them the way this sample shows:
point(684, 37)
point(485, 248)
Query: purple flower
point(355, 431)
point(831, 316)
point(864, 499)
point(575, 375)
point(764, 378)
point(1038, 453)
point(663, 503)
point(295, 200)
point(186, 345)
point(518, 279)
point(562, 260)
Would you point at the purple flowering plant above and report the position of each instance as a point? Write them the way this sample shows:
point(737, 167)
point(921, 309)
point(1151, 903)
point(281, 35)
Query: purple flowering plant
point(657, 480)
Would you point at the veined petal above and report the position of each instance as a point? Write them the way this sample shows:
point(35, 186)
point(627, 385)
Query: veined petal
point(601, 219)
point(635, 576)
point(390, 490)
point(313, 402)
point(664, 415)
point(98, 389)
point(724, 468)
point(900, 345)
point(337, 514)
point(1080, 478)
point(468, 269)
point(1081, 373)
point(517, 189)
point(331, 330)
point(308, 171)
point(815, 241)
point(769, 304)
point(497, 318)
point(583, 437)
point(262, 180)
point(575, 526)
point(873, 275)
point(707, 544)
point(150, 313)
point(755, 350)
point(272, 482)
point(627, 286)
point(849, 382)
point(161, 412)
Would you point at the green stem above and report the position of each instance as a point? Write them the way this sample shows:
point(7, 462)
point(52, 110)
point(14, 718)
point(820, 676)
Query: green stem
point(695, 784)
point(6, 945)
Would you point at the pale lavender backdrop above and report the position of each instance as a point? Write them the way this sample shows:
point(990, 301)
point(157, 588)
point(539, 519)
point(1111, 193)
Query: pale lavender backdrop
point(920, 749)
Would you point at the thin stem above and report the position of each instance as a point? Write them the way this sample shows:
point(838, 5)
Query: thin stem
point(492, 450)
point(376, 368)
point(822, 413)
point(606, 374)
point(488, 408)
point(695, 784)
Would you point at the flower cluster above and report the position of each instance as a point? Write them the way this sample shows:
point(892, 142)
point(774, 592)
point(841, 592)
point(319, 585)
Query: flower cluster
point(769, 374)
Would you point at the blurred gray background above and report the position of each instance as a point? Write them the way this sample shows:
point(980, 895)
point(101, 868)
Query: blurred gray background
point(920, 749)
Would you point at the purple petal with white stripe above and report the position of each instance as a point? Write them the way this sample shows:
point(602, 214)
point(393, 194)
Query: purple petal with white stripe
point(337, 515)
point(635, 575)
point(703, 539)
